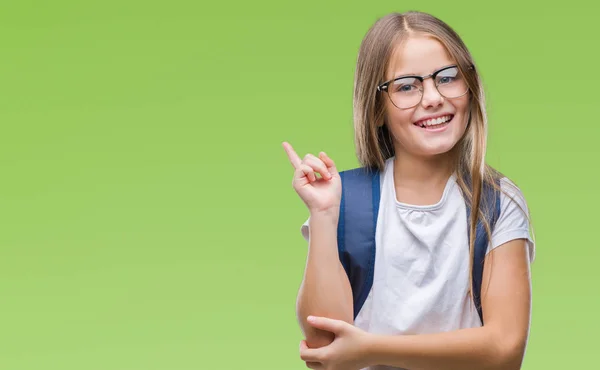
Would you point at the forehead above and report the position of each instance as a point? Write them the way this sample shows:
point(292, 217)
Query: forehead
point(420, 55)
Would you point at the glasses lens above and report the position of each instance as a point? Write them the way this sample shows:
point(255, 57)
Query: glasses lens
point(405, 92)
point(450, 83)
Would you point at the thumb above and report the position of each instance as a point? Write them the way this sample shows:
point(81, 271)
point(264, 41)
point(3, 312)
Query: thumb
point(327, 324)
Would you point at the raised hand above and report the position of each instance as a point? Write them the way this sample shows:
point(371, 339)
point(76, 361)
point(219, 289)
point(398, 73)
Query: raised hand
point(320, 194)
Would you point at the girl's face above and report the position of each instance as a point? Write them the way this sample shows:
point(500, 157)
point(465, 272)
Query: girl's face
point(435, 124)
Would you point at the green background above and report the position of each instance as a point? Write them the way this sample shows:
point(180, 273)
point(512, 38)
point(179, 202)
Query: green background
point(147, 215)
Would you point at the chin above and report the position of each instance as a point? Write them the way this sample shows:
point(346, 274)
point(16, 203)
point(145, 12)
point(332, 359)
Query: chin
point(435, 144)
point(437, 151)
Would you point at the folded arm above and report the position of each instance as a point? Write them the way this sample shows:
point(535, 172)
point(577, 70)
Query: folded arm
point(325, 289)
point(499, 344)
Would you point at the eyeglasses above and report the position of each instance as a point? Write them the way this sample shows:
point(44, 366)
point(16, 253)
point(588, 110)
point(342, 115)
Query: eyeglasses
point(407, 91)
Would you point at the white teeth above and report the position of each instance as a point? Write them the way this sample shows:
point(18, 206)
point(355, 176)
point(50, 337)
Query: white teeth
point(435, 121)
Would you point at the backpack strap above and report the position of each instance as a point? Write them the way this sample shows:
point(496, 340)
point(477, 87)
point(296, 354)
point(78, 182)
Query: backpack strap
point(356, 229)
point(357, 224)
point(490, 200)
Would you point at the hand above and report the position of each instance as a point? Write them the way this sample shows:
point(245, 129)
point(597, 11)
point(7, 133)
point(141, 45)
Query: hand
point(348, 351)
point(319, 194)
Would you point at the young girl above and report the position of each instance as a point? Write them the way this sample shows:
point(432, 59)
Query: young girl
point(419, 118)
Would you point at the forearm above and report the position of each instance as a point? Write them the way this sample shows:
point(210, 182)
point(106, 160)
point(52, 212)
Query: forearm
point(476, 349)
point(325, 289)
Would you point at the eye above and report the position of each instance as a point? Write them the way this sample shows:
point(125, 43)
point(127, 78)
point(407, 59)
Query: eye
point(405, 88)
point(446, 79)
point(448, 76)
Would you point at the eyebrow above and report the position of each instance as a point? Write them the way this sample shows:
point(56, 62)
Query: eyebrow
point(415, 74)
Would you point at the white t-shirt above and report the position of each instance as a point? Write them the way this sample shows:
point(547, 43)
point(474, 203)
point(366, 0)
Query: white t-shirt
point(421, 274)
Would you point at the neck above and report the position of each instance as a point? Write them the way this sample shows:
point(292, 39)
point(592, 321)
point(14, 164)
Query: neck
point(422, 172)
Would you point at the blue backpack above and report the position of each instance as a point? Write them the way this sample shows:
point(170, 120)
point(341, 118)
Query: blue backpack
point(356, 232)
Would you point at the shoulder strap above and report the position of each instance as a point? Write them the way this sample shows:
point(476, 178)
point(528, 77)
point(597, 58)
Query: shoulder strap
point(356, 229)
point(491, 212)
point(357, 223)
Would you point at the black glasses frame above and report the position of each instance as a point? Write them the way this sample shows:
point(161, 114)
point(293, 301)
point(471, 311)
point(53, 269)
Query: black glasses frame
point(384, 86)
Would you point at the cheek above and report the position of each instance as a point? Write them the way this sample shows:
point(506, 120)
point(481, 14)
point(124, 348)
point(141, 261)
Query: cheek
point(462, 108)
point(465, 104)
point(399, 118)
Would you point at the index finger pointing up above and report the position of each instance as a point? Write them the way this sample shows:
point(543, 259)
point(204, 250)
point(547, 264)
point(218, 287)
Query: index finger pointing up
point(294, 159)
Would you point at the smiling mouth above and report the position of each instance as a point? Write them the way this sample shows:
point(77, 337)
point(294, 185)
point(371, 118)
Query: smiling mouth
point(435, 123)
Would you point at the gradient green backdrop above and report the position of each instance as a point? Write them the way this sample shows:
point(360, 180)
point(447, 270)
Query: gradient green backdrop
point(147, 215)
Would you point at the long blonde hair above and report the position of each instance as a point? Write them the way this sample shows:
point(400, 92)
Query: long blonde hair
point(373, 141)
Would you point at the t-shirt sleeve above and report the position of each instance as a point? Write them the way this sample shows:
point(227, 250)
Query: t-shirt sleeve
point(513, 222)
point(304, 230)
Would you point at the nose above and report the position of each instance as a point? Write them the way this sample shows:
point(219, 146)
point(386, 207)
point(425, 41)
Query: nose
point(431, 95)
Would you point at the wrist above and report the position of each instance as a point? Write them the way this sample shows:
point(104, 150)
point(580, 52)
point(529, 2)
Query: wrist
point(371, 350)
point(330, 215)
point(389, 350)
